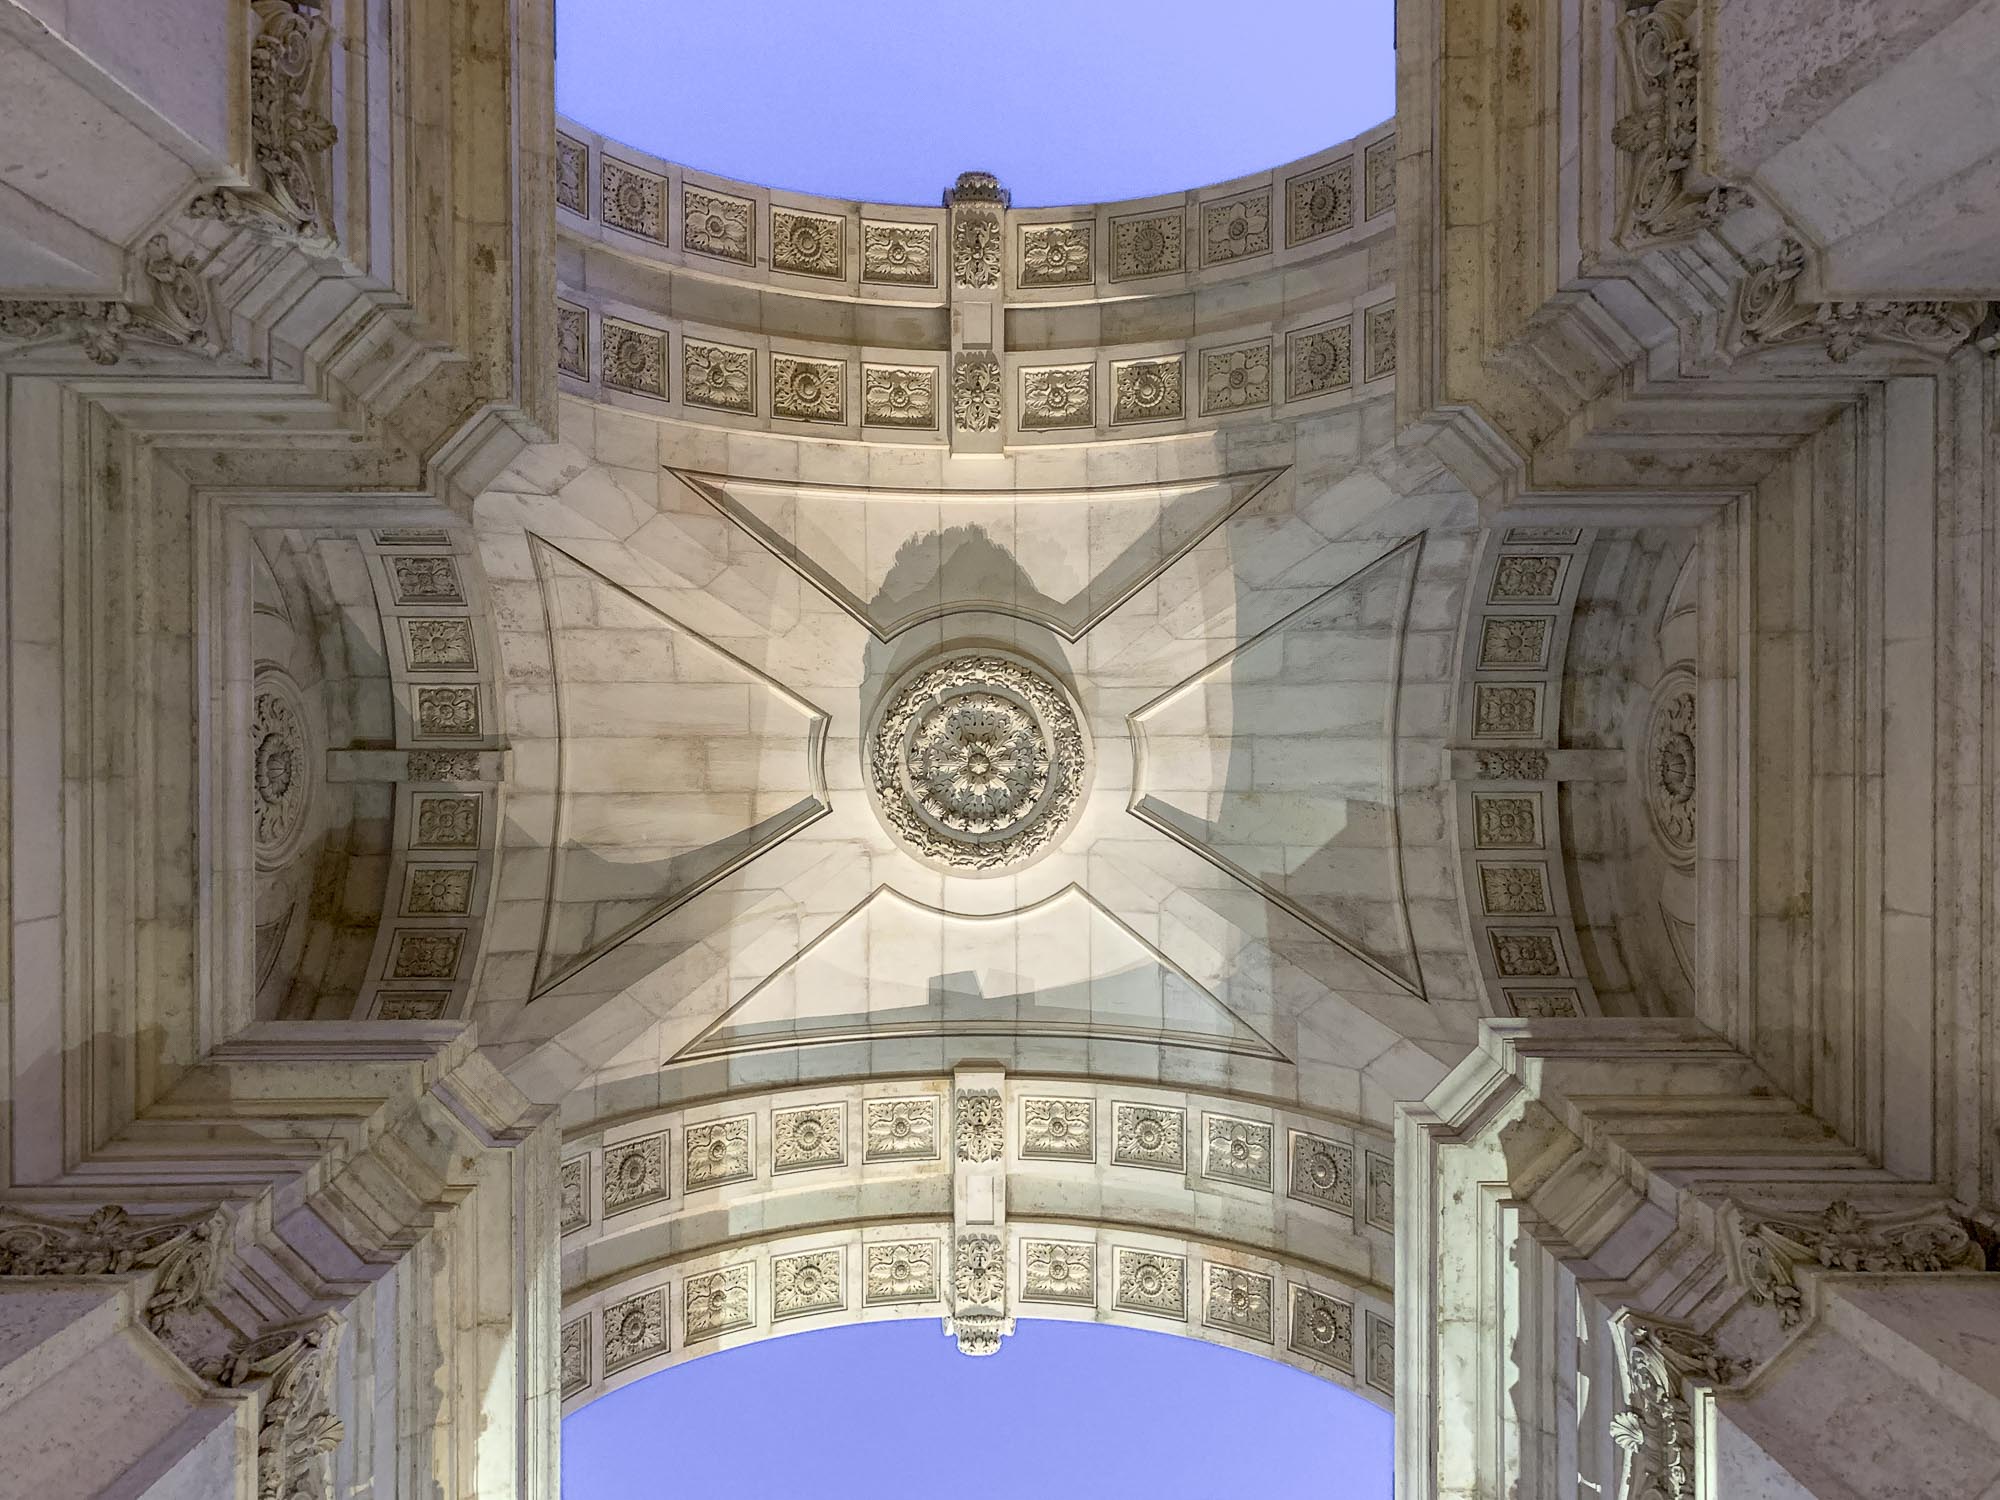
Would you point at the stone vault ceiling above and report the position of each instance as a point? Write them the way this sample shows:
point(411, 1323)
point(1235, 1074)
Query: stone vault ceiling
point(1141, 763)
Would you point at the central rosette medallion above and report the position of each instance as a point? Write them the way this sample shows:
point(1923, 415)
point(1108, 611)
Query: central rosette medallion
point(977, 760)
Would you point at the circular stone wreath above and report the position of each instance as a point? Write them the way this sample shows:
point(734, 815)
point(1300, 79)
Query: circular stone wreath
point(977, 761)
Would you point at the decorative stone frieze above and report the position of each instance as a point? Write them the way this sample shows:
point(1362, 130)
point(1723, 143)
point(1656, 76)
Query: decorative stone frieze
point(1149, 1135)
point(1773, 1248)
point(981, 1124)
point(291, 137)
point(1058, 1130)
point(719, 225)
point(1768, 312)
point(1659, 126)
point(807, 244)
point(975, 393)
point(444, 765)
point(1238, 1301)
point(719, 1302)
point(1061, 1271)
point(977, 762)
point(900, 1129)
point(1319, 202)
point(1654, 1429)
point(1148, 1281)
point(899, 1271)
point(632, 200)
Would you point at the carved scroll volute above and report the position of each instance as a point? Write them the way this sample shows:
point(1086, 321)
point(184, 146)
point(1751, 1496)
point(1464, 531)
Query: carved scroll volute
point(1658, 130)
point(292, 1369)
point(1772, 1249)
point(182, 1255)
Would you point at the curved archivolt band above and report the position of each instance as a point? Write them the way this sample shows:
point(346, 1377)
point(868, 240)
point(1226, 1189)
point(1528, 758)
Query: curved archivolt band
point(1132, 1276)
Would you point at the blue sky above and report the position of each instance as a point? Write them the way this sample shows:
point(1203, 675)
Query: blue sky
point(892, 1411)
point(1072, 102)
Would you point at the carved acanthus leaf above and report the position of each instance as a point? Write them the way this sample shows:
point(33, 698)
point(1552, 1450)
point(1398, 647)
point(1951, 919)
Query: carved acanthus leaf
point(1659, 127)
point(291, 135)
point(1655, 1424)
point(293, 1366)
point(1770, 312)
point(185, 1253)
point(174, 312)
point(1842, 1238)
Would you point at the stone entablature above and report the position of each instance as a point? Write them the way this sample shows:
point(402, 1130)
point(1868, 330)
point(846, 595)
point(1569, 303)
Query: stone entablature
point(1267, 296)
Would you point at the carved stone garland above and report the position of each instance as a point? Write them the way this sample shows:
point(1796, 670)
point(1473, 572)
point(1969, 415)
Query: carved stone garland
point(977, 762)
point(290, 133)
point(1769, 312)
point(1659, 78)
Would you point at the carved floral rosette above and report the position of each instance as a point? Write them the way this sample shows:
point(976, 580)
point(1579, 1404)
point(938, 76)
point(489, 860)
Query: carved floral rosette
point(977, 762)
point(281, 767)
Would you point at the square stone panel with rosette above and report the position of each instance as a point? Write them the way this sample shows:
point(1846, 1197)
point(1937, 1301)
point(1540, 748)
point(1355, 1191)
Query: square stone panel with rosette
point(718, 1152)
point(1147, 390)
point(1511, 890)
point(1506, 822)
point(718, 225)
point(438, 891)
point(898, 254)
point(810, 1282)
point(634, 201)
point(448, 713)
point(808, 390)
point(718, 1302)
point(802, 1139)
point(426, 953)
point(900, 1129)
point(1319, 202)
point(899, 1271)
point(1322, 1328)
point(1236, 378)
point(1059, 1271)
point(1322, 1172)
point(1058, 1130)
point(1319, 360)
point(899, 396)
point(634, 359)
point(1149, 1281)
point(1145, 245)
point(425, 580)
point(1239, 1301)
point(1532, 953)
point(1148, 1135)
point(635, 1329)
point(719, 376)
point(1514, 643)
point(1058, 396)
point(438, 645)
point(1236, 1150)
point(1236, 228)
point(1055, 255)
point(635, 1173)
point(1527, 578)
point(1510, 710)
point(808, 244)
point(446, 822)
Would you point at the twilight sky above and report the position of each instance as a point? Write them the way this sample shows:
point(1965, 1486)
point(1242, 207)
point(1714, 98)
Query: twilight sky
point(1071, 102)
point(892, 1411)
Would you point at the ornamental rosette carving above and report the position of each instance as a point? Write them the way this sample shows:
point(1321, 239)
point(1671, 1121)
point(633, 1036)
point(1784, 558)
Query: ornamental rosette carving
point(1773, 1248)
point(975, 393)
point(280, 770)
point(1659, 129)
point(291, 136)
point(977, 762)
point(297, 1429)
point(1654, 1429)
point(980, 1125)
point(1670, 767)
point(1769, 313)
